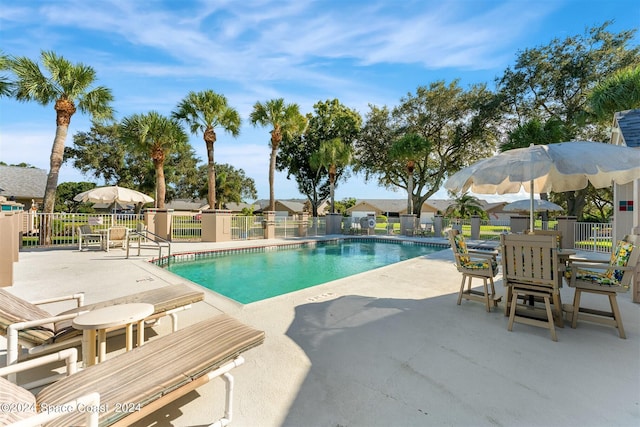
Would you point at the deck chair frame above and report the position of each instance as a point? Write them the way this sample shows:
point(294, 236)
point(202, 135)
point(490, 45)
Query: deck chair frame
point(168, 301)
point(144, 378)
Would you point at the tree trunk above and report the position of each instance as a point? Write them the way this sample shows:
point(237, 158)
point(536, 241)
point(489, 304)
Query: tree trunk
point(410, 167)
point(272, 172)
point(211, 176)
point(161, 187)
point(55, 162)
point(332, 186)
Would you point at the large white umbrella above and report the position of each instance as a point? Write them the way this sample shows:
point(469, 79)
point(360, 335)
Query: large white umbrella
point(112, 194)
point(565, 166)
point(539, 205)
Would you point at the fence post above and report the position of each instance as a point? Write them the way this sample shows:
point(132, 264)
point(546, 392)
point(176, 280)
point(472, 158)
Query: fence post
point(475, 227)
point(437, 225)
point(519, 223)
point(269, 224)
point(8, 248)
point(566, 227)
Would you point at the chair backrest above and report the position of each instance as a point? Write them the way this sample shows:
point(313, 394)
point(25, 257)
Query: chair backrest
point(117, 233)
point(85, 229)
point(14, 310)
point(626, 253)
point(459, 247)
point(530, 259)
point(556, 233)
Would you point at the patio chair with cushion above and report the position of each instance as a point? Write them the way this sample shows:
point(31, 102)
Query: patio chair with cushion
point(87, 237)
point(117, 237)
point(604, 278)
point(27, 326)
point(532, 272)
point(137, 383)
point(480, 264)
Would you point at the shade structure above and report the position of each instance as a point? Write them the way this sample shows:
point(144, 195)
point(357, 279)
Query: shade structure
point(539, 205)
point(564, 166)
point(112, 194)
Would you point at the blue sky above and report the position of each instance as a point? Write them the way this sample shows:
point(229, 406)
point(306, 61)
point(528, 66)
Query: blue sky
point(152, 53)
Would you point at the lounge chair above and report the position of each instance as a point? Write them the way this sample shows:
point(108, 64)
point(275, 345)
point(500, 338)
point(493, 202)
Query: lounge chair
point(27, 325)
point(87, 237)
point(135, 384)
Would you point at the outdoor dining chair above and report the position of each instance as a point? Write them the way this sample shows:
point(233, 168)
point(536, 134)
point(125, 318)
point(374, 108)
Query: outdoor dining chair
point(87, 237)
point(479, 264)
point(604, 278)
point(532, 272)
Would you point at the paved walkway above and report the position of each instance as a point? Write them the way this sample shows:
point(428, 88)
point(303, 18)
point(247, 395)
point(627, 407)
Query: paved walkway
point(388, 347)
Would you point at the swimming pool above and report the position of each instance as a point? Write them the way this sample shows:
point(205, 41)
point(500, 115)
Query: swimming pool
point(250, 275)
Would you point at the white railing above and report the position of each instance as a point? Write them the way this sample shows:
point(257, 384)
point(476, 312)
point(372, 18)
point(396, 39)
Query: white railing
point(186, 227)
point(247, 227)
point(593, 236)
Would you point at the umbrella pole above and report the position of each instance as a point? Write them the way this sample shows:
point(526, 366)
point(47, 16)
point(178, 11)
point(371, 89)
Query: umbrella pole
point(531, 207)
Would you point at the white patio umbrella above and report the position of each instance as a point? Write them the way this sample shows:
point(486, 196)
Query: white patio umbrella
point(565, 166)
point(112, 194)
point(539, 205)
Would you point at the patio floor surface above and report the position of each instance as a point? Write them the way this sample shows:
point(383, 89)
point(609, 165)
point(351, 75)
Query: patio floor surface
point(388, 347)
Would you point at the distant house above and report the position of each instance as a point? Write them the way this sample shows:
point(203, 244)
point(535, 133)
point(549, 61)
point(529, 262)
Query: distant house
point(23, 185)
point(289, 207)
point(626, 198)
point(192, 205)
point(396, 207)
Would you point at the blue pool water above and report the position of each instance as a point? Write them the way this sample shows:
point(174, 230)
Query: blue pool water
point(249, 277)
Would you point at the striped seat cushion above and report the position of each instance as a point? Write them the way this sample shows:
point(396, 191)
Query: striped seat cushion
point(144, 374)
point(15, 310)
point(17, 403)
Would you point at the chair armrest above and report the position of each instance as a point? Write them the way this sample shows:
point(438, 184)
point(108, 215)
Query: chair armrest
point(69, 355)
point(79, 297)
point(13, 343)
point(481, 255)
point(492, 252)
point(600, 266)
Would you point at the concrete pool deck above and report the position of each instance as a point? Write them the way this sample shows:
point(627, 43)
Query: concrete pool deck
point(388, 347)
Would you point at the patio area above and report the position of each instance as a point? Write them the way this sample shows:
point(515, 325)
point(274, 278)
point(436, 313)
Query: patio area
point(388, 347)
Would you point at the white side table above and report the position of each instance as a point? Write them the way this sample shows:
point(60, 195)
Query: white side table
point(114, 316)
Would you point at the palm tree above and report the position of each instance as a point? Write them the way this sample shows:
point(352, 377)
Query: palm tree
point(464, 206)
point(286, 122)
point(331, 155)
point(5, 82)
point(408, 149)
point(157, 136)
point(619, 92)
point(203, 112)
point(68, 86)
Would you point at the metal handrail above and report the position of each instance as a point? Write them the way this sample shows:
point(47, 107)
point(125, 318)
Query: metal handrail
point(157, 240)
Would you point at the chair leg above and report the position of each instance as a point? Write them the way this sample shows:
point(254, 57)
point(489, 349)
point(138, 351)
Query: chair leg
point(512, 314)
point(493, 292)
point(550, 320)
point(557, 308)
point(576, 308)
point(464, 278)
point(616, 314)
point(486, 294)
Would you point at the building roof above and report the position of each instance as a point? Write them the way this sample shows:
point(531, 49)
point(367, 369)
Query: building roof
point(22, 183)
point(629, 124)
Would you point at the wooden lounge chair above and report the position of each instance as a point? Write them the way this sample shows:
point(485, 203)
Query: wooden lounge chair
point(604, 278)
point(135, 384)
point(87, 237)
point(28, 326)
point(475, 264)
point(531, 271)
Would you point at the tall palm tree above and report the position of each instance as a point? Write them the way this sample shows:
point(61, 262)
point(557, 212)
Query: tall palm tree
point(156, 135)
point(5, 82)
point(619, 92)
point(286, 122)
point(203, 112)
point(68, 86)
point(331, 155)
point(408, 149)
